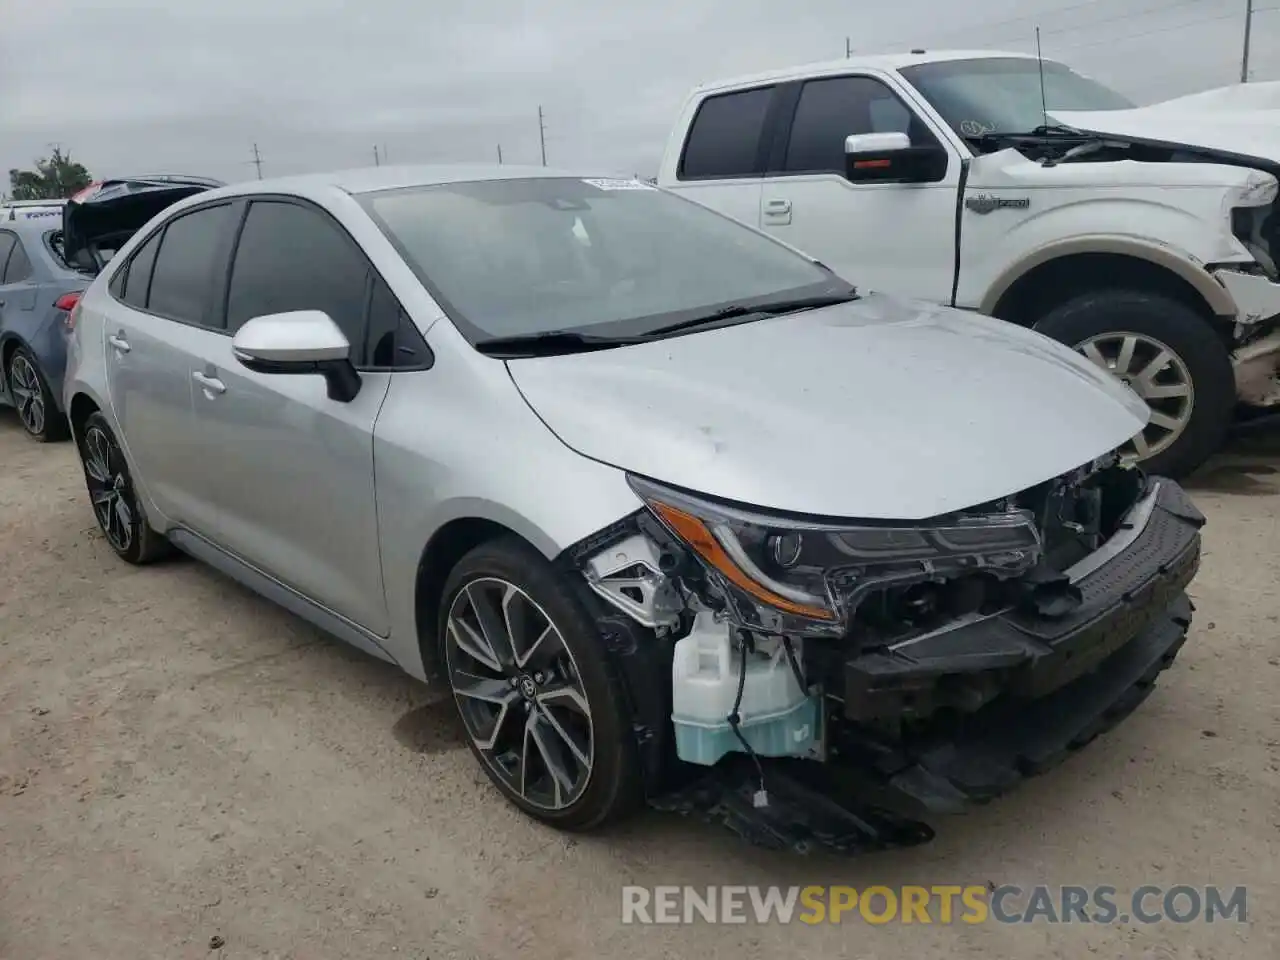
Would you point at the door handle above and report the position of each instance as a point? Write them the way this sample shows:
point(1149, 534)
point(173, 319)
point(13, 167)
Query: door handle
point(778, 206)
point(212, 385)
point(118, 341)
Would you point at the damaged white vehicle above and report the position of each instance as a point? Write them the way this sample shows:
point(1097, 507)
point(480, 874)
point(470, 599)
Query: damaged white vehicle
point(676, 513)
point(1146, 238)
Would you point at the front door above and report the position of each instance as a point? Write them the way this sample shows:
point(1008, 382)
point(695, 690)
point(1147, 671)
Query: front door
point(896, 238)
point(290, 469)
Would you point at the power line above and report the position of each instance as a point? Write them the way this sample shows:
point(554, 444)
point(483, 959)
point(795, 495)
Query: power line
point(1147, 33)
point(1176, 4)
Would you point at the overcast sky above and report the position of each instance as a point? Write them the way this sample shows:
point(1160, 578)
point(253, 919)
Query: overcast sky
point(190, 85)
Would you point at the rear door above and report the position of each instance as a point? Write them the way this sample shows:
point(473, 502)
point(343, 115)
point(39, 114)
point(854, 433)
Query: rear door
point(158, 323)
point(722, 161)
point(292, 470)
point(17, 276)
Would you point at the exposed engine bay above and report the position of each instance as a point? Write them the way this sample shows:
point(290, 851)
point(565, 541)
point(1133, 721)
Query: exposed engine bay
point(864, 647)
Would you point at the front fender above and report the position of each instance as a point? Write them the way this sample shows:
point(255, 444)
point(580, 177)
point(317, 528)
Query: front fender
point(1182, 238)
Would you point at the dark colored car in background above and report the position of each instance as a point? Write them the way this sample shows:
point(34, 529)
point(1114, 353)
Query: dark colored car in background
point(45, 264)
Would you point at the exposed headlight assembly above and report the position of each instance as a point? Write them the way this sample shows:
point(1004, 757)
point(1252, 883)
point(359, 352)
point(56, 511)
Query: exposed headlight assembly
point(789, 575)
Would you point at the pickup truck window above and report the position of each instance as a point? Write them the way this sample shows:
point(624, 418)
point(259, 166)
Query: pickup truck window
point(724, 138)
point(831, 109)
point(1002, 94)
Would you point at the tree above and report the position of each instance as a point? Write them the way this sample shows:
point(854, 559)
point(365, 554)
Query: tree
point(54, 178)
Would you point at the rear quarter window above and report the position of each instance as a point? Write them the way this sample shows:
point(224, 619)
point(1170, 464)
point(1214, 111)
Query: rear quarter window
point(724, 138)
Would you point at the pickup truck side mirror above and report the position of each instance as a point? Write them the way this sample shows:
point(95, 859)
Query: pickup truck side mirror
point(301, 341)
point(890, 158)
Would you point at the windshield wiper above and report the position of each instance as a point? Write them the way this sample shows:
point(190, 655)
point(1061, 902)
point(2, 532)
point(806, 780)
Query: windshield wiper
point(772, 308)
point(551, 343)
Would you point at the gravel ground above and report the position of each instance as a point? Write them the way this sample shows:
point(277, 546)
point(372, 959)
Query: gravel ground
point(181, 761)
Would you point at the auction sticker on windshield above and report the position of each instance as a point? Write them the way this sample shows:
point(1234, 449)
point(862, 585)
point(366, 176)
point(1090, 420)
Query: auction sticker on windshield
point(606, 184)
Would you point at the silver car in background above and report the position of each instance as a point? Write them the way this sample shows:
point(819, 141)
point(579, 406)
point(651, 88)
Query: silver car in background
point(653, 493)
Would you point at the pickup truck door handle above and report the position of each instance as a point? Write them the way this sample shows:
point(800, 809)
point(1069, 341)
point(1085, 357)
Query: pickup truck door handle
point(777, 212)
point(212, 385)
point(118, 341)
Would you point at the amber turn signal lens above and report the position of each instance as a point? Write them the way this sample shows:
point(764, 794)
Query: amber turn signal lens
point(695, 533)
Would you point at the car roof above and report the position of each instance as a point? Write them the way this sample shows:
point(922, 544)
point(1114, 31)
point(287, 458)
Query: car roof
point(883, 61)
point(33, 226)
point(372, 179)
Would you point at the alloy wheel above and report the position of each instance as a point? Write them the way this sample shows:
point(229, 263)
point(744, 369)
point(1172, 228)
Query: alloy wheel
point(108, 488)
point(519, 692)
point(28, 394)
point(1156, 373)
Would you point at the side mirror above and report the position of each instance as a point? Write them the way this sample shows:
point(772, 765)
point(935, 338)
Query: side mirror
point(301, 341)
point(890, 158)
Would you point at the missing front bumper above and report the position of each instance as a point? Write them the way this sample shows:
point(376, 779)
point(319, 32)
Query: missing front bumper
point(1028, 657)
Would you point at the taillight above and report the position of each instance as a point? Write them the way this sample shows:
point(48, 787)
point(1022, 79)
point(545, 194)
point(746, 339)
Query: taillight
point(69, 303)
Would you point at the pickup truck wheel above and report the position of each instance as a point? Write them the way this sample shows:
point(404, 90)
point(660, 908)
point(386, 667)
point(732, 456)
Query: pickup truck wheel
point(1167, 354)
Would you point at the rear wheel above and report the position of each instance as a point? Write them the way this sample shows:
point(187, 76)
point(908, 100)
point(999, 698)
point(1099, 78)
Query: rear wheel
point(1170, 357)
point(537, 696)
point(37, 408)
point(111, 492)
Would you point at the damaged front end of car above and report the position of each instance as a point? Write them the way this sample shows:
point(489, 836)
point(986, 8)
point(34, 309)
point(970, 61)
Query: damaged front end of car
point(836, 683)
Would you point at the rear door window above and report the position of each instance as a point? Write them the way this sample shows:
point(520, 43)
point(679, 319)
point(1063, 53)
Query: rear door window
point(182, 281)
point(7, 240)
point(293, 257)
point(724, 138)
point(137, 279)
point(19, 265)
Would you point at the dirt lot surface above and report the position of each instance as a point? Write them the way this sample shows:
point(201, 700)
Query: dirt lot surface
point(180, 760)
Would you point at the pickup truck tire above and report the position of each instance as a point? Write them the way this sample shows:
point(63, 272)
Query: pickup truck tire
point(1104, 324)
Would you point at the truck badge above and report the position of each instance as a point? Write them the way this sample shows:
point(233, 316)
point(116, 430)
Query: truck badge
point(985, 203)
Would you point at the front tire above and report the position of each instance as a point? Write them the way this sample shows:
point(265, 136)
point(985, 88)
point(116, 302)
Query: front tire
point(539, 700)
point(113, 496)
point(37, 408)
point(1170, 356)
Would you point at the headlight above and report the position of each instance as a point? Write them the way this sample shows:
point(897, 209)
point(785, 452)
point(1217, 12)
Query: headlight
point(778, 569)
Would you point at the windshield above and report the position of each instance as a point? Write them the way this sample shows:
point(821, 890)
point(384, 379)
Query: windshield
point(1002, 94)
point(613, 258)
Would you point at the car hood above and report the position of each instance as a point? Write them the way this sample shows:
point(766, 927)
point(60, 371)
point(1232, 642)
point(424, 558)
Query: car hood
point(108, 212)
point(1241, 131)
point(879, 408)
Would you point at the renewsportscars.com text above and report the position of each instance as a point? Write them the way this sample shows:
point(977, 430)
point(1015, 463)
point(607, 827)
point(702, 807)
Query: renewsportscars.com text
point(940, 904)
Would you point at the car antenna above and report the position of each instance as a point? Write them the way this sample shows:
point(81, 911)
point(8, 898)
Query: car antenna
point(1044, 104)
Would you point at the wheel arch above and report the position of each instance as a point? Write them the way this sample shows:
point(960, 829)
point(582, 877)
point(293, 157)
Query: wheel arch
point(9, 343)
point(446, 546)
point(1053, 274)
point(79, 410)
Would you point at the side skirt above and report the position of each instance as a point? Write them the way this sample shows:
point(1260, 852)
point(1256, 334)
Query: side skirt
point(277, 592)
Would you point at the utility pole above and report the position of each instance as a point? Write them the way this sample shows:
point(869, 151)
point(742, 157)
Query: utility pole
point(376, 162)
point(499, 153)
point(848, 50)
point(257, 160)
point(1248, 28)
point(542, 135)
point(385, 156)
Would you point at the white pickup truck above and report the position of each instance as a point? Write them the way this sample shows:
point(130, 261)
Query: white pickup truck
point(1147, 238)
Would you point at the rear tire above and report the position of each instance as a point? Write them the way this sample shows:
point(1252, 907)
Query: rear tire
point(37, 408)
point(113, 496)
point(539, 699)
point(1192, 394)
